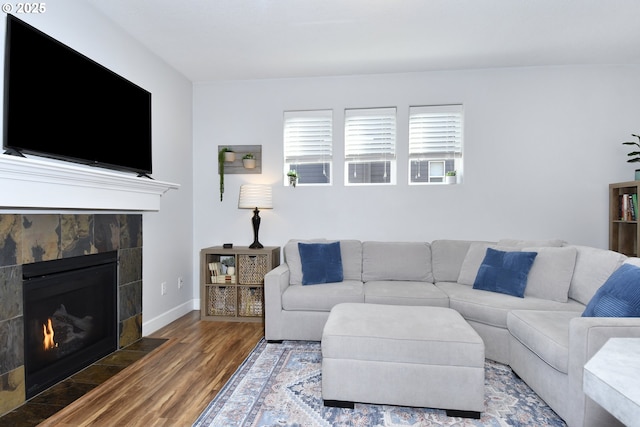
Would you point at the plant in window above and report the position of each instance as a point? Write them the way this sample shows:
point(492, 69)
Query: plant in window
point(293, 177)
point(450, 177)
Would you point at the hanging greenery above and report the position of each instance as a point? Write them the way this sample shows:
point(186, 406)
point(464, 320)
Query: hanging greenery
point(221, 156)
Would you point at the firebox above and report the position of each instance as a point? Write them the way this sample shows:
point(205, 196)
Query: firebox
point(70, 316)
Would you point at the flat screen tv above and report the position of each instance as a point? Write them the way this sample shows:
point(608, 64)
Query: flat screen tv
point(60, 104)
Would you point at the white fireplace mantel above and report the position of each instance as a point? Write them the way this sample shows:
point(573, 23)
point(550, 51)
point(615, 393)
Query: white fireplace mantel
point(44, 184)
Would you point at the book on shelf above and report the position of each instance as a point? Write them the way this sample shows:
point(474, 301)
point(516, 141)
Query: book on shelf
point(214, 268)
point(628, 207)
point(218, 273)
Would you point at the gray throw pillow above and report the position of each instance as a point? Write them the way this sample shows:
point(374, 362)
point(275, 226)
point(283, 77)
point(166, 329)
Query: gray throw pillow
point(551, 273)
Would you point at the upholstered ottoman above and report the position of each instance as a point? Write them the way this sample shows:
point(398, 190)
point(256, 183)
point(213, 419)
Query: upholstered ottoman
point(416, 356)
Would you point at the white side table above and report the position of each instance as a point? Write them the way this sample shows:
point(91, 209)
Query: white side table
point(612, 379)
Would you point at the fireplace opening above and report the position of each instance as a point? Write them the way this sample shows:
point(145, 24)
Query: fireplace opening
point(70, 316)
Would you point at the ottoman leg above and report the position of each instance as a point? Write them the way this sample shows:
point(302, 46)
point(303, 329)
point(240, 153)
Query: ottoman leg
point(463, 414)
point(339, 404)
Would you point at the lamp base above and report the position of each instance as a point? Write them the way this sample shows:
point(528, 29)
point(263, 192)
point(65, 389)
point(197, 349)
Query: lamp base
point(256, 226)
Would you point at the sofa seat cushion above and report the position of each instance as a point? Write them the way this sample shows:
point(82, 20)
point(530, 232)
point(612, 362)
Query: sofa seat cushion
point(394, 292)
point(492, 308)
point(545, 333)
point(321, 297)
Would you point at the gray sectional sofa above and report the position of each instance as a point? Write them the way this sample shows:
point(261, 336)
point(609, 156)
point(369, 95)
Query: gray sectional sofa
point(542, 335)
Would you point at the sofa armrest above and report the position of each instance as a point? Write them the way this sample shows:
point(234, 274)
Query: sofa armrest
point(276, 282)
point(586, 336)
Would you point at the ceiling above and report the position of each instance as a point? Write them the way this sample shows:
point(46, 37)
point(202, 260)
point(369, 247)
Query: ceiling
point(208, 40)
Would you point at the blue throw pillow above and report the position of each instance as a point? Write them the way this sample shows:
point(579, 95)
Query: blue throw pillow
point(321, 263)
point(619, 296)
point(504, 272)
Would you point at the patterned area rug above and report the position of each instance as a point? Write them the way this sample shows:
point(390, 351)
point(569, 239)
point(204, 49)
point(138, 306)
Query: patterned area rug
point(280, 385)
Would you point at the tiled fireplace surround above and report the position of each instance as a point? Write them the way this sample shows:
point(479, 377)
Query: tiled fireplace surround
point(27, 238)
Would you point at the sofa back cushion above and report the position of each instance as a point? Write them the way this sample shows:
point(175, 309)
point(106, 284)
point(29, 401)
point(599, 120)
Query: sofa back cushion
point(593, 268)
point(396, 261)
point(351, 252)
point(553, 243)
point(351, 259)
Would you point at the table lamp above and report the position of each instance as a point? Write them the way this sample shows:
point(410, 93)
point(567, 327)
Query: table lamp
point(255, 196)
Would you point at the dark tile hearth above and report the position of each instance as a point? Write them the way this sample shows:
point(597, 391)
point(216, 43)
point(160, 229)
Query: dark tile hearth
point(52, 400)
point(31, 236)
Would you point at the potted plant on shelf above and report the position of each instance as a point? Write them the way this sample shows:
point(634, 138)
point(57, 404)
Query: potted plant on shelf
point(450, 177)
point(293, 178)
point(230, 265)
point(635, 155)
point(248, 161)
point(229, 155)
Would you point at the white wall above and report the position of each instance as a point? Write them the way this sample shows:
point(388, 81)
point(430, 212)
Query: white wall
point(541, 146)
point(168, 233)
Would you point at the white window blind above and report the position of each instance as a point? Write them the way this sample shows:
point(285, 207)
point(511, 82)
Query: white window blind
point(370, 134)
point(435, 142)
point(370, 146)
point(435, 132)
point(308, 145)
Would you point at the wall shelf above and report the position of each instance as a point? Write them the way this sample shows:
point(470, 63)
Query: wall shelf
point(48, 184)
point(236, 166)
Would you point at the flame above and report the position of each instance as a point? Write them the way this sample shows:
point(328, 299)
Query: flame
point(48, 335)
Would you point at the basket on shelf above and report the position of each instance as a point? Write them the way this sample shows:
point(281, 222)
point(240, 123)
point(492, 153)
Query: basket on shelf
point(252, 269)
point(222, 301)
point(250, 301)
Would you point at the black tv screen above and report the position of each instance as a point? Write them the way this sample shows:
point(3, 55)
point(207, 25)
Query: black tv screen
point(60, 104)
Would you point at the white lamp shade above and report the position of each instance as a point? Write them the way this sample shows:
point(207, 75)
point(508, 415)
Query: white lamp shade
point(255, 196)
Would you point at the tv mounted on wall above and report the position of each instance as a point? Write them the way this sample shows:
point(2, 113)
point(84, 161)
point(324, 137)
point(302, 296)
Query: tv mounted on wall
point(60, 104)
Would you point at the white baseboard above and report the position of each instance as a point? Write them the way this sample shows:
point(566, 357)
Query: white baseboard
point(165, 318)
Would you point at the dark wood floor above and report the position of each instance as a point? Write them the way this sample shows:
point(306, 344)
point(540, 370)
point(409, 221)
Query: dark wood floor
point(172, 384)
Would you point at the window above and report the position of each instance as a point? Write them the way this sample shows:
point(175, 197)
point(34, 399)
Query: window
point(370, 146)
point(308, 145)
point(435, 142)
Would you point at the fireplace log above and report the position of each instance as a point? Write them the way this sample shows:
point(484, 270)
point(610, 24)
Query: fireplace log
point(68, 327)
